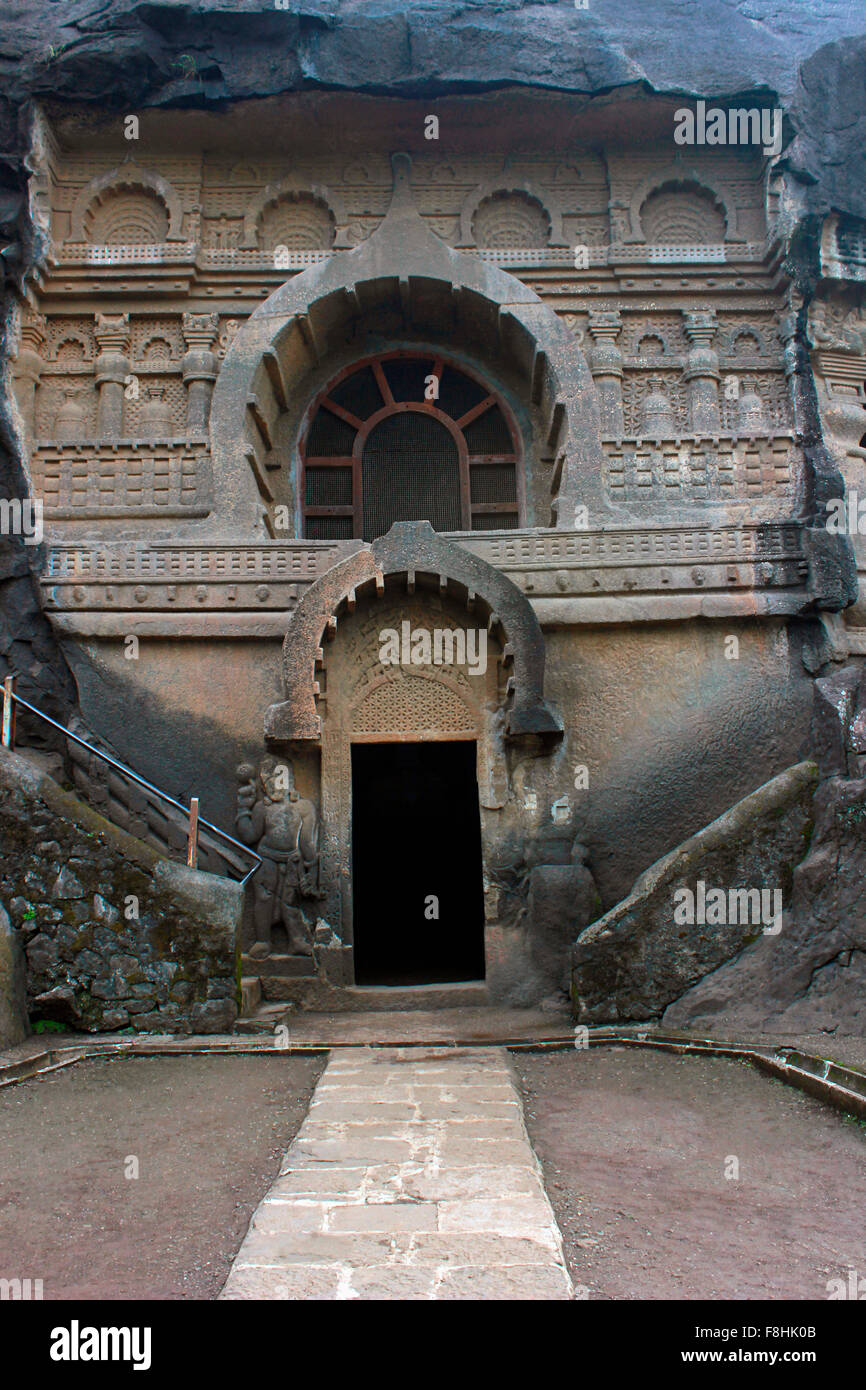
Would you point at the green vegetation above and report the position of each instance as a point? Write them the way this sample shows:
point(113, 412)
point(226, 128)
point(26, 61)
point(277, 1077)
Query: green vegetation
point(185, 63)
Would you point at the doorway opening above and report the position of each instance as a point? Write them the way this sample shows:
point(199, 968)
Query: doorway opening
point(418, 902)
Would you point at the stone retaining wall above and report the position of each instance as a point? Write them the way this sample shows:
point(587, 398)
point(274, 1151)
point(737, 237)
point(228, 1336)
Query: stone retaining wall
point(114, 936)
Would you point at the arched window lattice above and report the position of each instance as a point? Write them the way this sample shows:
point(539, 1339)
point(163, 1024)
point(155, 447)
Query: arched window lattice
point(408, 437)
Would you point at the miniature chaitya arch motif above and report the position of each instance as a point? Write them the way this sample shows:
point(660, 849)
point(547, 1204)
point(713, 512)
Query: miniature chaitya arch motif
point(508, 220)
point(409, 436)
point(128, 216)
point(681, 213)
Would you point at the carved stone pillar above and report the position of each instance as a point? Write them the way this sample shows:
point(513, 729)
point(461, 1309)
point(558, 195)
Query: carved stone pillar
point(112, 368)
point(605, 363)
point(702, 373)
point(199, 368)
point(28, 367)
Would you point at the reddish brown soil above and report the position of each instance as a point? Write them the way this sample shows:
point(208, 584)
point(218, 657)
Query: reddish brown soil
point(209, 1134)
point(634, 1145)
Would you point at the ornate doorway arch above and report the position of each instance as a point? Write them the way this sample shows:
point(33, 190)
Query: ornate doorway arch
point(367, 704)
point(341, 691)
point(412, 550)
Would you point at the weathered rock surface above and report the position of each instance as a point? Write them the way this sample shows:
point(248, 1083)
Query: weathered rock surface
point(829, 115)
point(250, 47)
point(639, 957)
point(206, 51)
point(114, 936)
point(27, 642)
point(812, 976)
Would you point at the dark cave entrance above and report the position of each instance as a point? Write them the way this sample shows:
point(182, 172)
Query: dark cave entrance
point(416, 837)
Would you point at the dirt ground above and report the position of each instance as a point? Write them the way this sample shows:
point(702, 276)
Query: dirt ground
point(634, 1146)
point(208, 1133)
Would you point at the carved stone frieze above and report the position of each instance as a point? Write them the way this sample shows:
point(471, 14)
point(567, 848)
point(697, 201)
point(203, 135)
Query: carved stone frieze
point(199, 367)
point(82, 481)
point(111, 370)
point(686, 365)
point(660, 469)
point(29, 364)
point(838, 326)
point(182, 585)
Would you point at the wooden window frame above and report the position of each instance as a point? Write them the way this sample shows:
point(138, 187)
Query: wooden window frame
point(438, 363)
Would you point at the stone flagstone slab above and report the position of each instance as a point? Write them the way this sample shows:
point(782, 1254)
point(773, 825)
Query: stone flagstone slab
point(412, 1177)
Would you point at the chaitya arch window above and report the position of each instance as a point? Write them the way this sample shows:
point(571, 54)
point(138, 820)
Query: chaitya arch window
point(409, 436)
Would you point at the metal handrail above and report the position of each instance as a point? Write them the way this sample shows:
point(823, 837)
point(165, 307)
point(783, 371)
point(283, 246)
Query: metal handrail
point(191, 811)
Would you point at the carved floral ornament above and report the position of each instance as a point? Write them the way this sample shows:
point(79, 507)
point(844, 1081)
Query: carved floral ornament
point(508, 210)
point(311, 215)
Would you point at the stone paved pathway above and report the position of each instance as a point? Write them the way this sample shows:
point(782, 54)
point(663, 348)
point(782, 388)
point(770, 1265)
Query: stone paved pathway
point(411, 1177)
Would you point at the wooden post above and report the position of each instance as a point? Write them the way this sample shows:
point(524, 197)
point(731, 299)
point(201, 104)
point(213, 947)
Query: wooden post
point(8, 734)
point(192, 841)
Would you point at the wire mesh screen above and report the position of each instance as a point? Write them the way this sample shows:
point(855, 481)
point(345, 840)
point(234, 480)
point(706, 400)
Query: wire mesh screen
point(330, 435)
point(493, 482)
point(458, 393)
point(410, 472)
point(498, 521)
point(359, 393)
point(407, 377)
point(329, 528)
point(328, 487)
point(489, 434)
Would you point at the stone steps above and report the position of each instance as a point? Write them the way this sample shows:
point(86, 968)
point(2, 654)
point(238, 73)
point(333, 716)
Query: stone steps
point(385, 998)
point(261, 1011)
point(320, 994)
point(281, 967)
point(266, 1018)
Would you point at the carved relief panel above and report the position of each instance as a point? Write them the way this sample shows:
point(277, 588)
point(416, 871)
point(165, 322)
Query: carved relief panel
point(837, 327)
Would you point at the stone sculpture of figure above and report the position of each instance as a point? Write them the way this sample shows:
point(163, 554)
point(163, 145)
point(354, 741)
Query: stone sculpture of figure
point(284, 829)
point(832, 326)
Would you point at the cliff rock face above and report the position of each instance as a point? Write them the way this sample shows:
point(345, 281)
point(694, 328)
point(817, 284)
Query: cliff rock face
point(810, 977)
point(27, 641)
point(213, 51)
point(828, 115)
